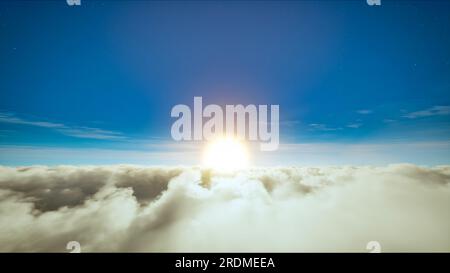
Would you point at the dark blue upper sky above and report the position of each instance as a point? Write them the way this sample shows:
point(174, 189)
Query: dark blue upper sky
point(106, 74)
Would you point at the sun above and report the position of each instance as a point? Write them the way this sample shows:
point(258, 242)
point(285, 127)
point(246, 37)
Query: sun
point(226, 154)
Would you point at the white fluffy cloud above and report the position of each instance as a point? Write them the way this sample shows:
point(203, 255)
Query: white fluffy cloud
point(130, 208)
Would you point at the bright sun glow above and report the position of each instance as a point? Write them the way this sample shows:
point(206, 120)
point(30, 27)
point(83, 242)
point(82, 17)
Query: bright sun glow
point(226, 154)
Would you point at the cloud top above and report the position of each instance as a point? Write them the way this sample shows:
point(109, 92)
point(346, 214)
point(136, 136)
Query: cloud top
point(131, 208)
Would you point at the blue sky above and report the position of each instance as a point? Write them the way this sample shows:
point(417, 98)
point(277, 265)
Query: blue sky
point(95, 84)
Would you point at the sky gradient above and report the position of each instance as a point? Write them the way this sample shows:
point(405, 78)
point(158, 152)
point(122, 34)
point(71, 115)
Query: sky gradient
point(95, 84)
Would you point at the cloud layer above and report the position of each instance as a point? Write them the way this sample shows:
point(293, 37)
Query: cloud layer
point(73, 131)
point(130, 208)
